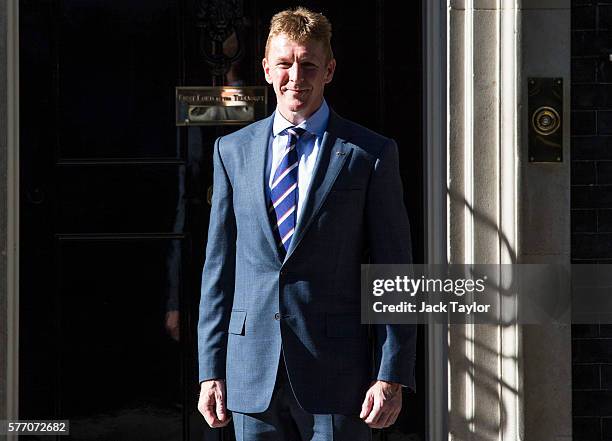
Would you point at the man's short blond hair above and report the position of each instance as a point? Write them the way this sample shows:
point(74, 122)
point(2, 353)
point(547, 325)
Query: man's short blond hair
point(300, 25)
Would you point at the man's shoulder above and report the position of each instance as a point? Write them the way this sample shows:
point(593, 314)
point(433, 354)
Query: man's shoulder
point(365, 139)
point(241, 135)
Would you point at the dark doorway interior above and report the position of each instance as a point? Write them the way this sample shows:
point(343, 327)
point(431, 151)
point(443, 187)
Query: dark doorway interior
point(113, 205)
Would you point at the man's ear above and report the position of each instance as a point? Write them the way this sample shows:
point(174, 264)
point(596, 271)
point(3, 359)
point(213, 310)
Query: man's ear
point(329, 71)
point(266, 69)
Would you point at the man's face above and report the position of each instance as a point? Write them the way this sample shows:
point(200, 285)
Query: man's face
point(299, 73)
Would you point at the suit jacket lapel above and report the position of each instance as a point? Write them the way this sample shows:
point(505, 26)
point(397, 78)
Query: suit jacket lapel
point(332, 155)
point(255, 165)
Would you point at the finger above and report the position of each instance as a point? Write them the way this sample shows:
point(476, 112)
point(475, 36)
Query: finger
point(379, 422)
point(389, 415)
point(366, 407)
point(397, 408)
point(220, 404)
point(382, 422)
point(381, 413)
point(395, 416)
point(389, 419)
point(375, 414)
point(227, 420)
point(376, 426)
point(210, 416)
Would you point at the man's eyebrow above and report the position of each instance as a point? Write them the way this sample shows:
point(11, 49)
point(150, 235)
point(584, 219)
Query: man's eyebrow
point(308, 58)
point(284, 57)
point(288, 58)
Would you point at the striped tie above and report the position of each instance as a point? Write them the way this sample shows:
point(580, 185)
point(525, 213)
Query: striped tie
point(284, 192)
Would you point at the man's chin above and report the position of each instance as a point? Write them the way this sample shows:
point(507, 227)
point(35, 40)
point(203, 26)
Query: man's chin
point(300, 110)
point(296, 106)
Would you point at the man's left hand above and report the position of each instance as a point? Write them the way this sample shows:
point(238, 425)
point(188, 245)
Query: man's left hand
point(382, 404)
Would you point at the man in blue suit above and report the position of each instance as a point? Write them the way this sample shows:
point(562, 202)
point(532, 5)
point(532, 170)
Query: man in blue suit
point(300, 200)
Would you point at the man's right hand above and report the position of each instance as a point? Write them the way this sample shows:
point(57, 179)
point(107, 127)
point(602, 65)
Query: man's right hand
point(212, 403)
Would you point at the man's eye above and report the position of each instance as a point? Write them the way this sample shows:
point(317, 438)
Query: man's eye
point(284, 65)
point(309, 66)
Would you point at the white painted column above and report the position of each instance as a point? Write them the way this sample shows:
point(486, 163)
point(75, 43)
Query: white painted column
point(484, 401)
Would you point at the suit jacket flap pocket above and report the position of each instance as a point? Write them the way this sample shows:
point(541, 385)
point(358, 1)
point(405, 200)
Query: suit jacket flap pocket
point(236, 324)
point(344, 326)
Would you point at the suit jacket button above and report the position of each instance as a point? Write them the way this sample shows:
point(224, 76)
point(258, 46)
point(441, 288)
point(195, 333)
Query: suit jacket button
point(277, 316)
point(283, 272)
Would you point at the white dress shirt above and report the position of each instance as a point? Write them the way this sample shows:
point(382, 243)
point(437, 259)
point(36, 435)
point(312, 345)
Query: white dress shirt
point(307, 149)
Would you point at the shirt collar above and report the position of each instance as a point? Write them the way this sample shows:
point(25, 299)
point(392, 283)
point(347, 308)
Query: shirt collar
point(315, 124)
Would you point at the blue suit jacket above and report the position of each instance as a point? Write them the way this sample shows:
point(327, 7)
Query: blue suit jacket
point(254, 303)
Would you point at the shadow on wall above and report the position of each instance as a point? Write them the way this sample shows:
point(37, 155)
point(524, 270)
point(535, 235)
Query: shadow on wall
point(476, 357)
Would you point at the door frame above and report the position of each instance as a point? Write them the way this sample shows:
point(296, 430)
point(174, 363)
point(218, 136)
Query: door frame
point(9, 193)
point(434, 175)
point(434, 154)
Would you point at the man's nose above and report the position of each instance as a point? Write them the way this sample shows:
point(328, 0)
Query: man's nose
point(295, 73)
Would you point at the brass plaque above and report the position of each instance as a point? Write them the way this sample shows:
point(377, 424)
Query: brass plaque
point(219, 106)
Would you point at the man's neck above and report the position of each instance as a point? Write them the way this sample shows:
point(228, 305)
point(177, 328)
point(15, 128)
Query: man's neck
point(297, 118)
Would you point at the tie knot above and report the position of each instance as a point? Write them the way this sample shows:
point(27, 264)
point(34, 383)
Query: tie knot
point(296, 131)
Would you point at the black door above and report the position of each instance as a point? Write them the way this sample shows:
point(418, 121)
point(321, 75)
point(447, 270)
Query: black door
point(114, 209)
